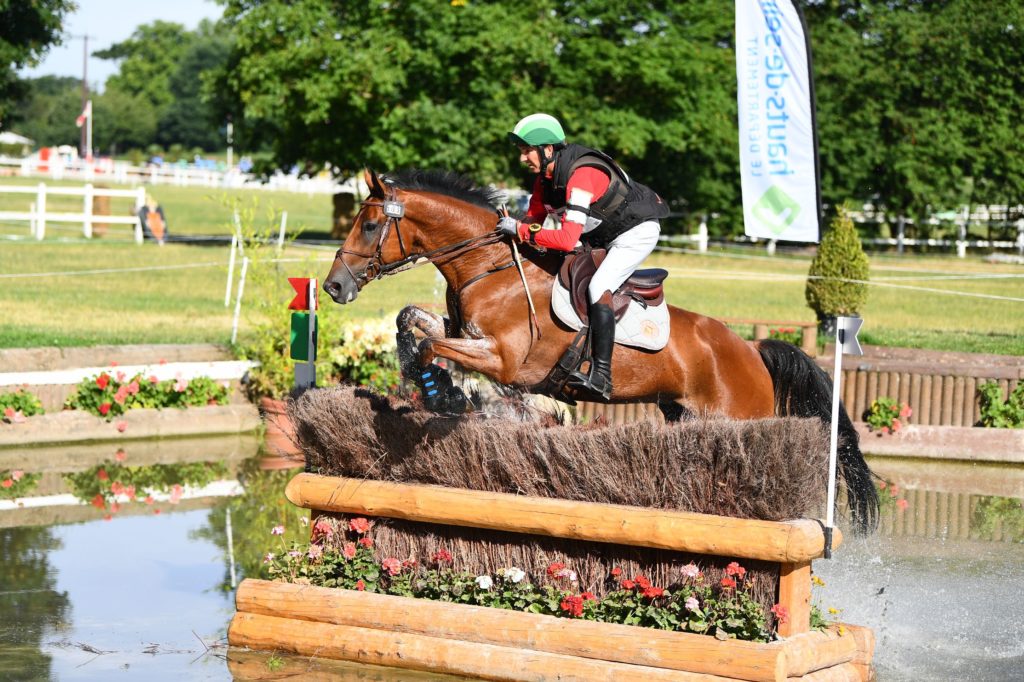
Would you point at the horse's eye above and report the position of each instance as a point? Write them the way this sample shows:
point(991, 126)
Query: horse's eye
point(369, 227)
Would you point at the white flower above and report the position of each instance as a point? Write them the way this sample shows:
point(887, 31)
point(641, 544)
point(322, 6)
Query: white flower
point(691, 604)
point(690, 570)
point(277, 530)
point(484, 582)
point(566, 573)
point(514, 574)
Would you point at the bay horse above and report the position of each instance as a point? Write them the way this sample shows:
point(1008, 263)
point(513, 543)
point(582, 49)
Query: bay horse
point(500, 321)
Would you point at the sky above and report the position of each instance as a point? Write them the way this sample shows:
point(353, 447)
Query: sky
point(111, 21)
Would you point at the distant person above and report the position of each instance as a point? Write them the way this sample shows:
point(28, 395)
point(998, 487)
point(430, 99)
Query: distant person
point(154, 223)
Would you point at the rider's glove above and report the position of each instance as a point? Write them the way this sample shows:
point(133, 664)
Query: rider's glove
point(508, 225)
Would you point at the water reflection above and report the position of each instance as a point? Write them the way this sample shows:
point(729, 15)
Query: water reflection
point(87, 591)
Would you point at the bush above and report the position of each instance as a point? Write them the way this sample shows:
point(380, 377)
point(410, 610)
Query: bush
point(109, 396)
point(885, 413)
point(835, 281)
point(15, 406)
point(1008, 414)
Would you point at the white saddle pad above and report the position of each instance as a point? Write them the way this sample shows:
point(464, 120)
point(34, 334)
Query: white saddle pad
point(640, 327)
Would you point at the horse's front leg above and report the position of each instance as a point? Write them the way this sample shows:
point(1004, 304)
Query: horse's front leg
point(432, 326)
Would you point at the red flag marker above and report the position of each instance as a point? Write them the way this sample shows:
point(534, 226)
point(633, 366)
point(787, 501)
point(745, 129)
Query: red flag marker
point(301, 300)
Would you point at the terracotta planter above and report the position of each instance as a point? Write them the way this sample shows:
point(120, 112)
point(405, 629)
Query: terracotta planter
point(279, 438)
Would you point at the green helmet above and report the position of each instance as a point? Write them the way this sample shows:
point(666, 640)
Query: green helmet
point(536, 130)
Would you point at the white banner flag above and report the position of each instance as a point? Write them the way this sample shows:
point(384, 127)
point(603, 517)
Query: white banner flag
point(778, 141)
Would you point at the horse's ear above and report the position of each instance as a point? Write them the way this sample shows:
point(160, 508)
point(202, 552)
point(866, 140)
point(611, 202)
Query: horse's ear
point(373, 182)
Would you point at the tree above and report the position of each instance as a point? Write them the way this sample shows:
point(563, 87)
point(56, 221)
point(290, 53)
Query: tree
point(429, 84)
point(27, 30)
point(836, 282)
point(122, 121)
point(190, 120)
point(148, 60)
point(47, 110)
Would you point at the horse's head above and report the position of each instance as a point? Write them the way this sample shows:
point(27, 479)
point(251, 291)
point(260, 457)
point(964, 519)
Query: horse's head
point(374, 242)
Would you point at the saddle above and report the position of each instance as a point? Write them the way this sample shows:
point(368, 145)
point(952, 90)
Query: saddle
point(643, 286)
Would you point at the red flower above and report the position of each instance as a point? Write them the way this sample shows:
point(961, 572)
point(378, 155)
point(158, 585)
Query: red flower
point(99, 502)
point(9, 412)
point(102, 380)
point(366, 542)
point(153, 379)
point(653, 592)
point(642, 582)
point(392, 566)
point(349, 550)
point(628, 584)
point(149, 499)
point(555, 568)
point(616, 572)
point(781, 613)
point(104, 408)
point(102, 475)
point(728, 582)
point(120, 455)
point(360, 585)
point(442, 556)
point(573, 606)
point(736, 570)
point(7, 483)
point(359, 525)
point(588, 596)
point(902, 504)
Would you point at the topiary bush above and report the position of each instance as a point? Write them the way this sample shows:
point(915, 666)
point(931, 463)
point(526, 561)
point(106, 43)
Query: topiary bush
point(835, 281)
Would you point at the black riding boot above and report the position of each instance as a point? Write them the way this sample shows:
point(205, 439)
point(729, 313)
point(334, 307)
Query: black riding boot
point(602, 340)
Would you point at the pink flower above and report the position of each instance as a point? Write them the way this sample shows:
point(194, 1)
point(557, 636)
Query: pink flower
point(360, 585)
point(162, 361)
point(349, 550)
point(268, 558)
point(120, 455)
point(17, 474)
point(114, 507)
point(366, 542)
point(133, 387)
point(896, 425)
point(113, 364)
point(176, 493)
point(906, 411)
point(149, 499)
point(690, 570)
point(359, 525)
point(322, 526)
point(181, 385)
point(98, 502)
point(9, 413)
point(129, 491)
point(735, 569)
point(116, 487)
point(391, 565)
point(120, 375)
point(277, 530)
point(691, 603)
point(781, 613)
point(902, 504)
point(121, 426)
point(153, 379)
point(315, 551)
point(885, 429)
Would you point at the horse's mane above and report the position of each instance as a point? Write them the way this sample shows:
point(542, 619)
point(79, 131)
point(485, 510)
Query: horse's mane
point(448, 183)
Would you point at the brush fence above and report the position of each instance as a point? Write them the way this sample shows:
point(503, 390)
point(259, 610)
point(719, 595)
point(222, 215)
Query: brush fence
point(493, 644)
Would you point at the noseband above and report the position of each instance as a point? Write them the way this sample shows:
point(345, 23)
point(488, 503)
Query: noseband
point(394, 211)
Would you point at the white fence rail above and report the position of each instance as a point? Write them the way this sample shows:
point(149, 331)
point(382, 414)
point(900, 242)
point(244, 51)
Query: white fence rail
point(124, 173)
point(38, 216)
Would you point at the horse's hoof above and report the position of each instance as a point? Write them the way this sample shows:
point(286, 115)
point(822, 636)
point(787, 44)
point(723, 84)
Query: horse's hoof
point(456, 400)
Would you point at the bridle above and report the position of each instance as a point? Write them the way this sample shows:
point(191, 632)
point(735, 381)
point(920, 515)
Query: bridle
point(394, 211)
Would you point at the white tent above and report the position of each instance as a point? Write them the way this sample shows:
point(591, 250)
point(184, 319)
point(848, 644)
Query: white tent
point(8, 137)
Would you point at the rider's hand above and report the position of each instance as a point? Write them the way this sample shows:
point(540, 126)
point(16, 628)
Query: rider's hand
point(508, 225)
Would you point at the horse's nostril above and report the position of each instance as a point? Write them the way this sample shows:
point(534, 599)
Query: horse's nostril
point(332, 288)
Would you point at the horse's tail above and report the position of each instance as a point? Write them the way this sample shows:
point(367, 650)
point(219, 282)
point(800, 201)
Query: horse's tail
point(803, 389)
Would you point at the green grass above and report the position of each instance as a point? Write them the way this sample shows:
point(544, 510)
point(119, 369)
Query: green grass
point(187, 305)
point(189, 210)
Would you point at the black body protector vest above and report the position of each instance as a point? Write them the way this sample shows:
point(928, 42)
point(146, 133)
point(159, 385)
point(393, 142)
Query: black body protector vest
point(623, 206)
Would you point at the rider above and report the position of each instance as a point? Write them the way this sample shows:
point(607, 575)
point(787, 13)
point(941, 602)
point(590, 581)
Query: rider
point(596, 203)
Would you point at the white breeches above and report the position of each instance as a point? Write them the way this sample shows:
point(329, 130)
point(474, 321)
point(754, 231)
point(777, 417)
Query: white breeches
point(625, 254)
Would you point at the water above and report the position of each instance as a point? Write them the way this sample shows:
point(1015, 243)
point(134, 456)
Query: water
point(147, 595)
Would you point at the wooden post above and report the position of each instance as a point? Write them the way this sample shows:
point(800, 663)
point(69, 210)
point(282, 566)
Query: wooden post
point(809, 340)
point(87, 196)
point(41, 211)
point(795, 595)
